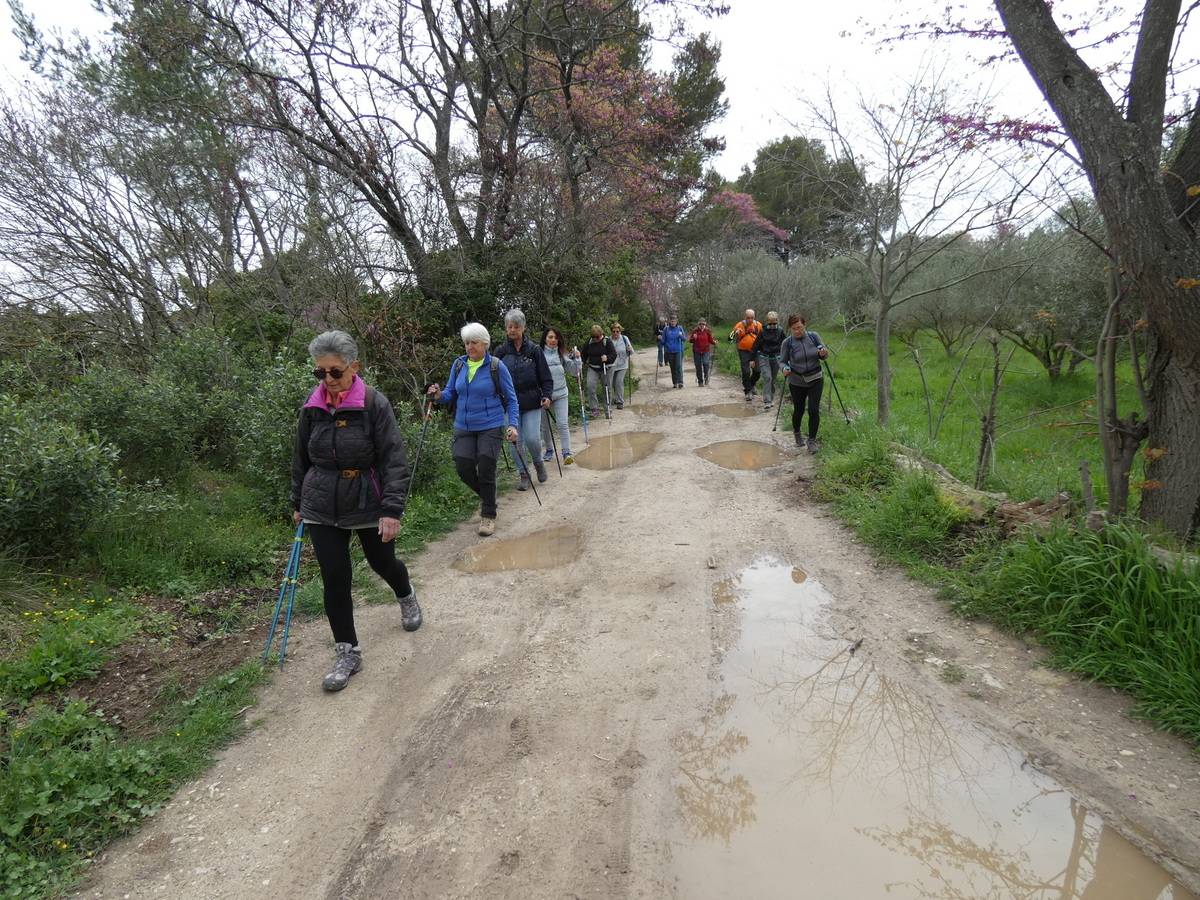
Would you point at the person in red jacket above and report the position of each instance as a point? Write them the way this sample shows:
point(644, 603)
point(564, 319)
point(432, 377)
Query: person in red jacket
point(703, 343)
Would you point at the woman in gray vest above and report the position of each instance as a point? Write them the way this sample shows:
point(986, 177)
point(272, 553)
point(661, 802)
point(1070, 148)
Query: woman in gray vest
point(562, 362)
point(801, 356)
point(616, 371)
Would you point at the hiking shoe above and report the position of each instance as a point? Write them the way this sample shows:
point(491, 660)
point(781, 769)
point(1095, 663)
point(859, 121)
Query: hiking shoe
point(620, 406)
point(594, 413)
point(749, 398)
point(487, 527)
point(541, 471)
point(547, 456)
point(346, 663)
point(410, 611)
point(799, 439)
point(813, 446)
point(568, 460)
point(523, 482)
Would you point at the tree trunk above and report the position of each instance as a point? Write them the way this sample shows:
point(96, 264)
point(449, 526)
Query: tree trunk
point(1120, 154)
point(883, 365)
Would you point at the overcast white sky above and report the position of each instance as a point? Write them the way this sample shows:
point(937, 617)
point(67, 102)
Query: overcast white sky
point(774, 53)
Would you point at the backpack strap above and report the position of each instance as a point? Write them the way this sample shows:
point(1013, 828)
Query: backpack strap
point(496, 379)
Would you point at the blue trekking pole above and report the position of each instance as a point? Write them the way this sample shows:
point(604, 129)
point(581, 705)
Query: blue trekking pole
point(287, 591)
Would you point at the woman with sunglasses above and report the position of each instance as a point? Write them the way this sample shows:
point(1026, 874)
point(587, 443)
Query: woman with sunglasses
point(350, 476)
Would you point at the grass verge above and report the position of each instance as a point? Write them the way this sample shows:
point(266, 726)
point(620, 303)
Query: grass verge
point(1103, 604)
point(71, 782)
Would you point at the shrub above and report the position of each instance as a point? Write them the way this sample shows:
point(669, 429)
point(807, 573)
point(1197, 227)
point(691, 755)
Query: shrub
point(207, 368)
point(265, 429)
point(153, 422)
point(54, 481)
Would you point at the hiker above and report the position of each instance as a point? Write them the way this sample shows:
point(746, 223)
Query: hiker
point(485, 402)
point(533, 384)
point(659, 327)
point(616, 372)
point(350, 476)
point(745, 333)
point(562, 362)
point(801, 355)
point(597, 353)
point(673, 339)
point(703, 343)
point(766, 356)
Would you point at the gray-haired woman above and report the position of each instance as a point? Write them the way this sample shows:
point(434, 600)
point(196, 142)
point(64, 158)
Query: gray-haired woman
point(350, 476)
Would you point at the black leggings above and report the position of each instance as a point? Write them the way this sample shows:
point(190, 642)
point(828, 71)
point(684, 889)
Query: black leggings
point(811, 393)
point(332, 548)
point(475, 454)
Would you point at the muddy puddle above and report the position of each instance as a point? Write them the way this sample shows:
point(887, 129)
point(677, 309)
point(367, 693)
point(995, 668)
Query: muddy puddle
point(813, 775)
point(731, 410)
point(617, 450)
point(546, 549)
point(742, 454)
point(661, 409)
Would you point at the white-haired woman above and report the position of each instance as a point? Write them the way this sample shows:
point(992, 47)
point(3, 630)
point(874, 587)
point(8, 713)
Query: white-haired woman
point(485, 413)
point(350, 476)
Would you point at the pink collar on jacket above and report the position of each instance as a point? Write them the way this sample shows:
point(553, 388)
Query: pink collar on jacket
point(355, 398)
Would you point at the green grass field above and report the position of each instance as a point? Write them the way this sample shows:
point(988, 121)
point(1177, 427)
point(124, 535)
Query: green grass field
point(1044, 427)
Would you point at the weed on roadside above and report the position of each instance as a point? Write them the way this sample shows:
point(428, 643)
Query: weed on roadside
point(69, 783)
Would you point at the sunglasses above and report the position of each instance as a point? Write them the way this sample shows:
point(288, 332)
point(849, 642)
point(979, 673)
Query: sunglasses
point(320, 374)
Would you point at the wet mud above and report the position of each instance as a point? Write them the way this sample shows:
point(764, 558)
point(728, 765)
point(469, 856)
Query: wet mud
point(731, 410)
point(546, 549)
point(661, 409)
point(743, 455)
point(618, 450)
point(812, 769)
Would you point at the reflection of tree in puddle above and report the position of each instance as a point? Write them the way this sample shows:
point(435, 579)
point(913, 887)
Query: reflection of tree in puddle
point(715, 802)
point(852, 723)
point(961, 867)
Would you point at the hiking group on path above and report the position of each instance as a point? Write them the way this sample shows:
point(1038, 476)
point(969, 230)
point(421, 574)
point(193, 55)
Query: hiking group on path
point(350, 473)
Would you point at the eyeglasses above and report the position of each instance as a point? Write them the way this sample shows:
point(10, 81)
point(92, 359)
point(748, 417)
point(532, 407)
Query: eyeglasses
point(320, 374)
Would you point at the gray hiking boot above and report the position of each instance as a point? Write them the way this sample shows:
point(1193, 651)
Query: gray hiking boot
point(347, 662)
point(813, 445)
point(410, 611)
point(523, 483)
point(541, 471)
point(799, 439)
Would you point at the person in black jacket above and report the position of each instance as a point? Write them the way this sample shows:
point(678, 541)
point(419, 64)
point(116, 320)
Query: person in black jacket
point(350, 476)
point(534, 385)
point(598, 354)
point(766, 356)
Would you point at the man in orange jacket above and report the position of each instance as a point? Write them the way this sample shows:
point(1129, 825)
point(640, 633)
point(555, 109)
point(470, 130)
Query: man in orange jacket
point(745, 333)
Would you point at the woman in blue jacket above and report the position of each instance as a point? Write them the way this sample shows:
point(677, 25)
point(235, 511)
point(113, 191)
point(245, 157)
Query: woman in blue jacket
point(672, 341)
point(485, 413)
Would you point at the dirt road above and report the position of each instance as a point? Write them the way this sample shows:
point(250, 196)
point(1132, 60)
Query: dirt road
point(617, 725)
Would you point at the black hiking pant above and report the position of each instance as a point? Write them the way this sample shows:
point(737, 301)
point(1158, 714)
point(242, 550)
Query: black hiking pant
point(475, 454)
point(749, 373)
point(332, 548)
point(811, 394)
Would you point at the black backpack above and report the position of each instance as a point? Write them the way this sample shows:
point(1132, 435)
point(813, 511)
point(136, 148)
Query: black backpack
point(495, 368)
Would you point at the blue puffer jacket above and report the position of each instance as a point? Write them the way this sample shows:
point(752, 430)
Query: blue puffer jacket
point(478, 408)
point(673, 338)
